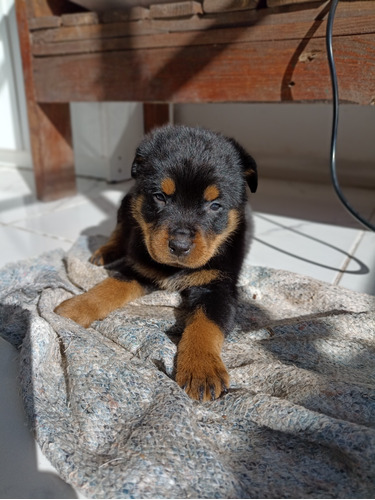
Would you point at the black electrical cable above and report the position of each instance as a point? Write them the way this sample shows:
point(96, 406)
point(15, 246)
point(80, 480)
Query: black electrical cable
point(335, 120)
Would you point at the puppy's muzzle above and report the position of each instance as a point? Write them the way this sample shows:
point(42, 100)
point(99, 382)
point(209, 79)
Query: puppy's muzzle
point(181, 243)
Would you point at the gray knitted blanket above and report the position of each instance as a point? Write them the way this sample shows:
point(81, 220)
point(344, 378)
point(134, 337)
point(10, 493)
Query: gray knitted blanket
point(298, 420)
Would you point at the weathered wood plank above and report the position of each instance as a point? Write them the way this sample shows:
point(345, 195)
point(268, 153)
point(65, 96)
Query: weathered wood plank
point(131, 14)
point(212, 6)
point(273, 27)
point(280, 3)
point(243, 72)
point(79, 19)
point(154, 115)
point(227, 36)
point(176, 9)
point(37, 23)
point(144, 27)
point(351, 12)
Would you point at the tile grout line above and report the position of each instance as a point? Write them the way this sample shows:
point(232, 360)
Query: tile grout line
point(59, 205)
point(38, 233)
point(69, 203)
point(349, 257)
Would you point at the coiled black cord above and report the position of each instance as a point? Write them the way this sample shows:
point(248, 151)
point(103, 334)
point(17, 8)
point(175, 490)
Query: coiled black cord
point(335, 120)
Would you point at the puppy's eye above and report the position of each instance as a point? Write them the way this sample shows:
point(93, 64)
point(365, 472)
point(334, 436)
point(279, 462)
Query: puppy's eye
point(215, 206)
point(160, 198)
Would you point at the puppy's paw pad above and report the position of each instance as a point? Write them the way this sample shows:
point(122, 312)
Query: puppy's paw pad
point(203, 381)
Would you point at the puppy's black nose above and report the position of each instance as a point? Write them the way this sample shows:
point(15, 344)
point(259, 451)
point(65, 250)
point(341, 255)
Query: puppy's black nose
point(180, 245)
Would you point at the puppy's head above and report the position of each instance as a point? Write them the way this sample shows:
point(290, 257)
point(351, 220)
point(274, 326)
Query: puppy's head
point(190, 193)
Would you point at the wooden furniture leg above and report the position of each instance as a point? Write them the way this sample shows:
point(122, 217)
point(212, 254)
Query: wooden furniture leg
point(52, 152)
point(50, 129)
point(154, 115)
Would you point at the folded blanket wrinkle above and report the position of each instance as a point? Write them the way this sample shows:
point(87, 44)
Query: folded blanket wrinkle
point(298, 420)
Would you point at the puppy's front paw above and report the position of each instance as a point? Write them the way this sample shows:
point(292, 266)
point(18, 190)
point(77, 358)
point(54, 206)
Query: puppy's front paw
point(200, 370)
point(79, 309)
point(100, 301)
point(203, 376)
point(97, 257)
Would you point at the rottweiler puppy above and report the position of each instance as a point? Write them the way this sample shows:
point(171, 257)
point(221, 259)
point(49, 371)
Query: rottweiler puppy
point(182, 227)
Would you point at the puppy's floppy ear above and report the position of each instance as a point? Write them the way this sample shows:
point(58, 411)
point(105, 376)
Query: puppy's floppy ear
point(251, 173)
point(249, 167)
point(136, 166)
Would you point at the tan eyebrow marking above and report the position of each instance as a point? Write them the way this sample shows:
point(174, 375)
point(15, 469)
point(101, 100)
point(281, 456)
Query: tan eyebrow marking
point(168, 186)
point(211, 193)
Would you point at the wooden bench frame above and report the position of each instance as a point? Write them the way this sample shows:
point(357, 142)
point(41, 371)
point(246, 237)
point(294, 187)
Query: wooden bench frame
point(274, 54)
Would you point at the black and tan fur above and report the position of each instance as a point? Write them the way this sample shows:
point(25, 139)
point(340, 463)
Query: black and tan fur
point(183, 227)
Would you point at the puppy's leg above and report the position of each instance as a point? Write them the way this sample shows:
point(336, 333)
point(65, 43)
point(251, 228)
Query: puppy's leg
point(101, 300)
point(200, 369)
point(110, 251)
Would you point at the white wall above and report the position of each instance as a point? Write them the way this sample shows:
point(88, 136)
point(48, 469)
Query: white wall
point(105, 136)
point(287, 140)
point(292, 140)
point(14, 139)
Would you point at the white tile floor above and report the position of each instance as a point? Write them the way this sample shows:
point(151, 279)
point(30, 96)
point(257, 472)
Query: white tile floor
point(298, 227)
